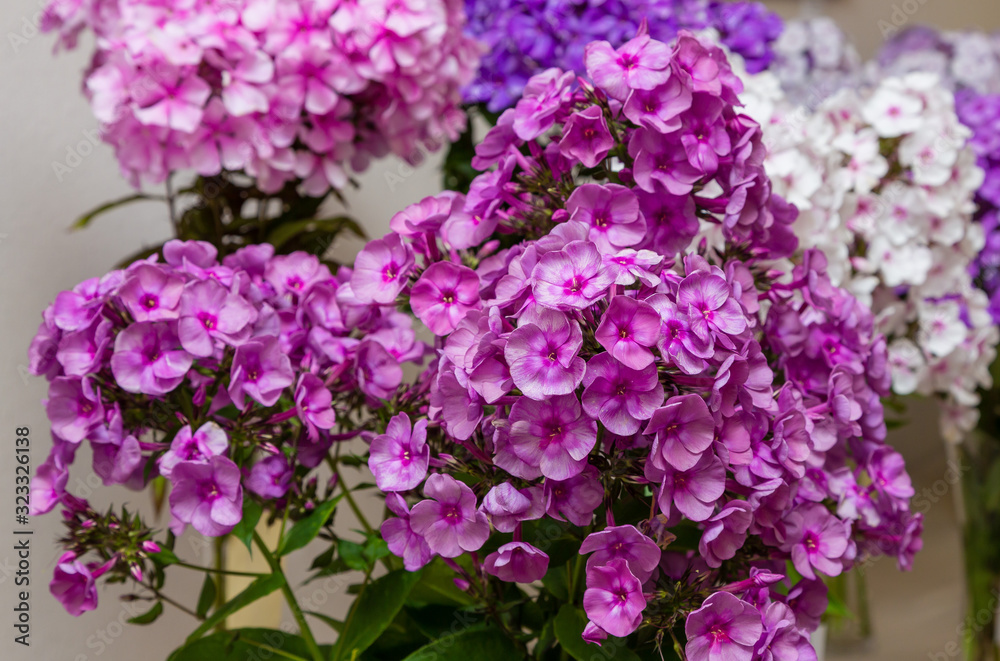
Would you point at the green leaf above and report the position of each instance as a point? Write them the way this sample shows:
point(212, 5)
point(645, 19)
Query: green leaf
point(244, 644)
point(569, 625)
point(373, 611)
point(164, 557)
point(260, 588)
point(478, 644)
point(362, 557)
point(437, 587)
point(149, 616)
point(285, 232)
point(85, 219)
point(334, 624)
point(244, 529)
point(207, 596)
point(306, 530)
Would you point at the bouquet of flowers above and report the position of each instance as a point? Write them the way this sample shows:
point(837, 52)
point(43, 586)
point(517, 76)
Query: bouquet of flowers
point(223, 384)
point(677, 438)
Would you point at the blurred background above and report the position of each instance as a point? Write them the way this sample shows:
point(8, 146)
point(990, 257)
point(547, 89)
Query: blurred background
point(54, 167)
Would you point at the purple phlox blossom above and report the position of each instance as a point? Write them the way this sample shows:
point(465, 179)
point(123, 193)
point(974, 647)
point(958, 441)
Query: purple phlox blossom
point(74, 585)
point(381, 270)
point(261, 370)
point(817, 540)
point(543, 97)
point(443, 295)
point(399, 457)
point(74, 408)
point(684, 429)
point(640, 64)
point(575, 499)
point(888, 473)
point(449, 522)
point(150, 293)
point(659, 108)
point(543, 356)
point(82, 352)
point(270, 477)
point(208, 311)
point(378, 371)
point(679, 344)
point(611, 213)
point(661, 165)
point(627, 330)
point(571, 278)
point(148, 359)
point(693, 492)
point(207, 495)
point(613, 599)
point(294, 274)
point(517, 562)
point(707, 300)
point(117, 463)
point(506, 506)
point(619, 396)
point(725, 533)
point(724, 628)
point(553, 434)
point(427, 215)
point(184, 254)
point(209, 441)
point(625, 542)
point(782, 639)
point(461, 410)
point(586, 137)
point(633, 265)
point(400, 537)
point(314, 403)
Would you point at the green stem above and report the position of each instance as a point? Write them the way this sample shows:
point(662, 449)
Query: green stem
point(293, 604)
point(215, 570)
point(220, 593)
point(273, 650)
point(352, 612)
point(164, 598)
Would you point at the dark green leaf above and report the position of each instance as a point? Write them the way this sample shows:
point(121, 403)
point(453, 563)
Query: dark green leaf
point(477, 644)
point(288, 231)
point(164, 557)
point(85, 219)
point(336, 625)
point(207, 596)
point(569, 625)
point(373, 611)
point(149, 616)
point(362, 557)
point(244, 529)
point(306, 530)
point(244, 644)
point(437, 586)
point(260, 588)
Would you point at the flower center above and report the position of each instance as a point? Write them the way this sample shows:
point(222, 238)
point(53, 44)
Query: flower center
point(150, 302)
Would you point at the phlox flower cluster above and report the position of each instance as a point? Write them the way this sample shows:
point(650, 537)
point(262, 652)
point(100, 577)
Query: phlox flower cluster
point(601, 370)
point(231, 380)
point(528, 36)
point(885, 182)
point(284, 90)
point(813, 59)
point(968, 63)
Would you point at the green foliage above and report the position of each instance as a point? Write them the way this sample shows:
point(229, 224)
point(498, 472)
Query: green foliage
point(243, 644)
point(149, 616)
point(372, 613)
point(260, 588)
point(244, 529)
point(306, 530)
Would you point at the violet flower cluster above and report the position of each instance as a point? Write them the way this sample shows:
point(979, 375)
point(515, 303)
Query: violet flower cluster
point(600, 370)
point(885, 182)
point(285, 91)
point(528, 36)
point(229, 380)
point(969, 64)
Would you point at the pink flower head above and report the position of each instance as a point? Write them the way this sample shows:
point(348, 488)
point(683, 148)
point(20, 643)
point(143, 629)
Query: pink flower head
point(400, 537)
point(678, 342)
point(684, 430)
point(613, 599)
point(627, 330)
point(148, 359)
point(639, 552)
point(640, 64)
point(586, 137)
point(508, 506)
point(725, 533)
point(208, 311)
point(270, 477)
point(209, 441)
point(313, 402)
point(693, 492)
point(725, 627)
point(295, 274)
point(449, 522)
point(575, 499)
point(707, 300)
point(73, 585)
point(381, 270)
point(620, 397)
point(817, 540)
point(517, 562)
point(151, 294)
point(400, 456)
point(74, 408)
point(207, 495)
point(572, 278)
point(543, 356)
point(611, 212)
point(443, 295)
point(659, 108)
point(553, 434)
point(261, 370)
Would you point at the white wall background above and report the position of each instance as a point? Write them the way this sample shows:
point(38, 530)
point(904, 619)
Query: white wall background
point(44, 120)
